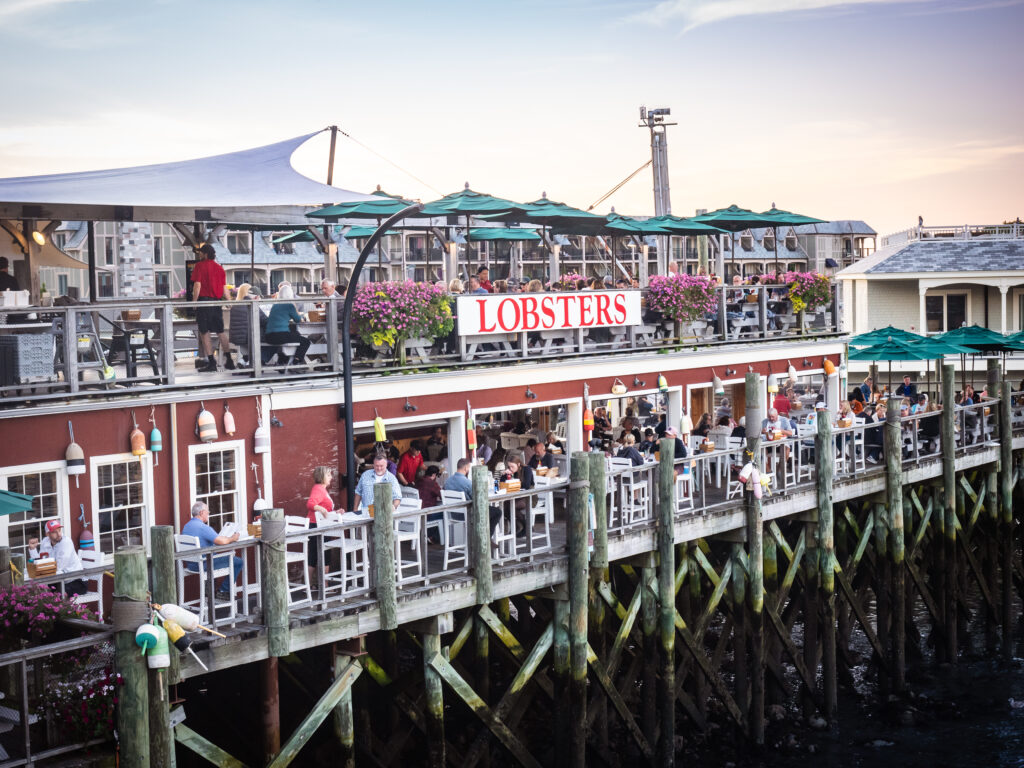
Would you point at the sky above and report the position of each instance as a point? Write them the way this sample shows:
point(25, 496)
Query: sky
point(874, 109)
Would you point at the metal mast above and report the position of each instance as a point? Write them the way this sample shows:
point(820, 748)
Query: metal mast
point(654, 121)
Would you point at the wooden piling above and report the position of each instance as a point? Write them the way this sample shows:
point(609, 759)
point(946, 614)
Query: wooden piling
point(482, 669)
point(755, 550)
point(435, 701)
point(597, 474)
point(161, 738)
point(894, 501)
point(991, 547)
point(649, 630)
point(344, 720)
point(1006, 515)
point(274, 582)
point(130, 609)
point(741, 677)
point(481, 535)
point(811, 594)
point(665, 535)
point(577, 526)
point(270, 711)
point(823, 446)
point(384, 555)
point(948, 543)
point(560, 674)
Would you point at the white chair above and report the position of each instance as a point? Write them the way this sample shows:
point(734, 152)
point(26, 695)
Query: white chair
point(540, 510)
point(409, 492)
point(92, 558)
point(353, 572)
point(297, 551)
point(454, 528)
point(407, 531)
point(684, 489)
point(185, 543)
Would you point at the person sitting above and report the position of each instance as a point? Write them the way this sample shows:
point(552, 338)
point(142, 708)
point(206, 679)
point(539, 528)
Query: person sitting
point(541, 457)
point(280, 331)
point(429, 490)
point(906, 389)
point(517, 470)
point(199, 526)
point(7, 281)
point(62, 550)
point(411, 461)
point(553, 444)
point(930, 426)
point(874, 435)
point(721, 433)
point(775, 423)
point(740, 430)
point(484, 452)
point(459, 480)
point(782, 402)
point(650, 442)
point(680, 449)
point(629, 451)
point(703, 426)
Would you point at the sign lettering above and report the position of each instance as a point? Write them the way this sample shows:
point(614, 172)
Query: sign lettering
point(482, 314)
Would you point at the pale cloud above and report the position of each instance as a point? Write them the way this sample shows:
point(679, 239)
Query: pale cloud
point(11, 9)
point(696, 13)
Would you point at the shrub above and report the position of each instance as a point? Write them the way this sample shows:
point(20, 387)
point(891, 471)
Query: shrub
point(682, 298)
point(29, 612)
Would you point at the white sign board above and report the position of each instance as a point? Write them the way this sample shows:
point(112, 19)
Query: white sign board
point(481, 314)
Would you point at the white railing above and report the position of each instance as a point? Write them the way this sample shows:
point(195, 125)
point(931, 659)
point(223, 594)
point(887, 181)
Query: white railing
point(1012, 231)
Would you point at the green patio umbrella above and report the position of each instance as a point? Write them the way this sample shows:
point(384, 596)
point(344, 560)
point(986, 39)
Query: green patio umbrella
point(871, 338)
point(980, 340)
point(786, 219)
point(357, 233)
point(678, 225)
point(734, 219)
point(383, 207)
point(502, 233)
point(301, 236)
point(892, 349)
point(11, 502)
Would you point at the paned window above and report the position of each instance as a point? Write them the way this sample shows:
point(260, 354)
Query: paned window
point(218, 480)
point(121, 502)
point(47, 484)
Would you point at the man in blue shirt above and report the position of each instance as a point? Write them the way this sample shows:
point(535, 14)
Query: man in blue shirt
point(199, 526)
point(459, 480)
point(369, 478)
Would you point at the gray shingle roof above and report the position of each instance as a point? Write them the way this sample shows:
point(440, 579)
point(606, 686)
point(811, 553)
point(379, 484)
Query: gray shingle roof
point(842, 227)
point(952, 256)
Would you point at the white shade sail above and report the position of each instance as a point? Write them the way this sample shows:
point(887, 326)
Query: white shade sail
point(254, 186)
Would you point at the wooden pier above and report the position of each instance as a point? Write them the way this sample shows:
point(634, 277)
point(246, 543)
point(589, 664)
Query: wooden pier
point(642, 633)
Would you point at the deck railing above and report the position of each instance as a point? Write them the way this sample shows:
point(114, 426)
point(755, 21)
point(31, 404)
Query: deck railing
point(1011, 231)
point(131, 347)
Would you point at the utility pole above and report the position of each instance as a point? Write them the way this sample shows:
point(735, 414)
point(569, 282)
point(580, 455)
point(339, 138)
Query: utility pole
point(654, 121)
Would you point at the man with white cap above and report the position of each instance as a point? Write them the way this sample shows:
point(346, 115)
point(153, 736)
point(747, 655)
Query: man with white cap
point(62, 551)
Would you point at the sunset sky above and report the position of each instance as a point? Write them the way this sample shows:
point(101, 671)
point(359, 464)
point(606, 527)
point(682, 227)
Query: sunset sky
point(873, 110)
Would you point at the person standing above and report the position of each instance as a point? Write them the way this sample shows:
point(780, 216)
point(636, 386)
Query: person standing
point(199, 526)
point(484, 276)
point(62, 550)
point(318, 505)
point(208, 284)
point(369, 478)
point(7, 281)
point(411, 461)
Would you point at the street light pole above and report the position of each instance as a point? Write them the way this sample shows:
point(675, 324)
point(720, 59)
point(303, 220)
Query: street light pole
point(346, 345)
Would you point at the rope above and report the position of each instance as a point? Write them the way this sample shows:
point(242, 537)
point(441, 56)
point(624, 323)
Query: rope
point(579, 484)
point(272, 534)
point(127, 614)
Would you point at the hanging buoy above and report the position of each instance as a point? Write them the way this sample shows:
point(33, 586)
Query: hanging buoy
point(470, 432)
point(137, 439)
point(85, 539)
point(662, 384)
point(156, 440)
point(146, 637)
point(380, 433)
point(791, 371)
point(170, 612)
point(773, 383)
point(716, 384)
point(745, 473)
point(588, 420)
point(261, 440)
point(159, 656)
point(829, 366)
point(74, 457)
point(229, 421)
point(206, 425)
point(181, 641)
point(755, 480)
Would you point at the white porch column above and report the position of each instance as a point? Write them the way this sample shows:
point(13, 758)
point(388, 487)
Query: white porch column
point(922, 318)
point(1002, 308)
point(451, 262)
point(832, 388)
point(554, 260)
point(574, 427)
point(456, 440)
point(644, 255)
point(675, 407)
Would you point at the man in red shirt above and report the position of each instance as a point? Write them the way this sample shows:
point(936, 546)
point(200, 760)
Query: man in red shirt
point(483, 275)
point(208, 284)
point(411, 461)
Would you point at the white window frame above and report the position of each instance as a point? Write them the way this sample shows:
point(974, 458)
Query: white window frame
point(944, 292)
point(148, 512)
point(63, 495)
point(241, 468)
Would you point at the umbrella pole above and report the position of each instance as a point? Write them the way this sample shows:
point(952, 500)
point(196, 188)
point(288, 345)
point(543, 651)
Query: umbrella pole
point(380, 255)
point(775, 240)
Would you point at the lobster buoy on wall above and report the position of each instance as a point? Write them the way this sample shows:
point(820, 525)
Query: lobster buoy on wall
point(137, 439)
point(184, 618)
point(159, 656)
point(206, 425)
point(662, 384)
point(85, 539)
point(146, 637)
point(74, 457)
point(261, 440)
point(829, 367)
point(229, 421)
point(470, 431)
point(156, 440)
point(588, 420)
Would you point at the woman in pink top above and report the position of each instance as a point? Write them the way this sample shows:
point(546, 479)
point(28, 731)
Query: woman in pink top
point(318, 505)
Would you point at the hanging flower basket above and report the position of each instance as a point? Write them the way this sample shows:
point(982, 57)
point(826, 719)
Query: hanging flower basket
point(808, 290)
point(682, 298)
point(386, 314)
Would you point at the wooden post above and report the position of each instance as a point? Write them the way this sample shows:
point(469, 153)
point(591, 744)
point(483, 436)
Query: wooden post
point(598, 705)
point(665, 534)
point(270, 693)
point(894, 500)
point(991, 548)
point(435, 701)
point(649, 628)
point(482, 635)
point(344, 722)
point(129, 611)
point(1006, 515)
point(161, 738)
point(6, 574)
point(755, 549)
point(824, 445)
point(811, 593)
point(738, 584)
point(948, 543)
point(599, 490)
point(577, 525)
point(274, 577)
point(481, 533)
point(560, 673)
point(384, 555)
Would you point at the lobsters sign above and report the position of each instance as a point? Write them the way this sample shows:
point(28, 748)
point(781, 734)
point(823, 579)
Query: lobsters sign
point(481, 314)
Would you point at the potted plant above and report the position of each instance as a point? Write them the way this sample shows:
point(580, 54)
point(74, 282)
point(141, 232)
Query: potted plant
point(685, 299)
point(807, 292)
point(387, 315)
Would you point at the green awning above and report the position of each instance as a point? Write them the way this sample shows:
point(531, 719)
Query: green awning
point(11, 502)
point(502, 233)
point(467, 202)
point(381, 208)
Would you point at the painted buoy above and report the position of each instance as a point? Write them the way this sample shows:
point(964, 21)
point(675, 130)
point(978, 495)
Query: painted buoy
point(146, 637)
point(138, 442)
point(159, 656)
point(206, 426)
point(156, 440)
point(229, 421)
point(186, 619)
point(261, 440)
